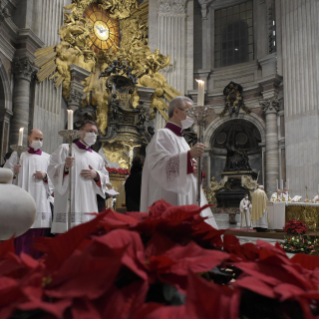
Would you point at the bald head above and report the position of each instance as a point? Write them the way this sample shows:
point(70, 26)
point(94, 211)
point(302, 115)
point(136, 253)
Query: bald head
point(35, 135)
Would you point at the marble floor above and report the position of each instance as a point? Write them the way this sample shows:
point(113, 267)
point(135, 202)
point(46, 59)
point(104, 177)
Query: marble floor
point(223, 223)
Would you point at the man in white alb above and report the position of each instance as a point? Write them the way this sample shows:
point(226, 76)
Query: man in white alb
point(89, 178)
point(245, 207)
point(276, 195)
point(259, 214)
point(32, 176)
point(285, 195)
point(169, 170)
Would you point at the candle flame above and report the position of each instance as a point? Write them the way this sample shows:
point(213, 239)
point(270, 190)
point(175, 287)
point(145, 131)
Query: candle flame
point(70, 111)
point(199, 81)
point(21, 129)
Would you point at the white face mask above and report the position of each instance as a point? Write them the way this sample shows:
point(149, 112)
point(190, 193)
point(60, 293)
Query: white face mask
point(36, 144)
point(90, 138)
point(187, 123)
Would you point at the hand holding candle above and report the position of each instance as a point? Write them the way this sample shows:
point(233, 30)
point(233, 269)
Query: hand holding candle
point(200, 96)
point(20, 136)
point(70, 120)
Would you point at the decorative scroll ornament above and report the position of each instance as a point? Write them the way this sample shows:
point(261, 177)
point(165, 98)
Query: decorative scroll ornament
point(172, 7)
point(75, 97)
point(271, 105)
point(24, 69)
point(204, 4)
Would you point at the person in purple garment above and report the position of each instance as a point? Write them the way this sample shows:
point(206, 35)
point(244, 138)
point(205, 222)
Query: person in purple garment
point(33, 178)
point(89, 178)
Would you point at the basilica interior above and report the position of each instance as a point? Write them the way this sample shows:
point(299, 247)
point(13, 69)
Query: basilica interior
point(250, 69)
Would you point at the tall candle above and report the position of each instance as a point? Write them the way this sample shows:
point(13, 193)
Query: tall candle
point(277, 184)
point(20, 136)
point(70, 120)
point(200, 96)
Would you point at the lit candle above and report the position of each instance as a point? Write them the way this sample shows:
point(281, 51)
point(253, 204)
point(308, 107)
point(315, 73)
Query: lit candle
point(20, 136)
point(70, 120)
point(200, 96)
point(277, 184)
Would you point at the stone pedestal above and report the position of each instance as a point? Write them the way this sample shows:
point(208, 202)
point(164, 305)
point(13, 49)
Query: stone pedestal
point(24, 71)
point(78, 75)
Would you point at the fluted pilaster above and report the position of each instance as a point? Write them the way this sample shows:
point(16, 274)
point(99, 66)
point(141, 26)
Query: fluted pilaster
point(172, 40)
point(271, 108)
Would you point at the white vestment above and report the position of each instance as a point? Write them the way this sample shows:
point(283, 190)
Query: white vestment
point(316, 199)
point(285, 197)
point(84, 191)
point(273, 197)
point(165, 174)
point(244, 208)
point(37, 188)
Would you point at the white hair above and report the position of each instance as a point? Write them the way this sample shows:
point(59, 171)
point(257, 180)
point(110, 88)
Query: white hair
point(179, 102)
point(261, 186)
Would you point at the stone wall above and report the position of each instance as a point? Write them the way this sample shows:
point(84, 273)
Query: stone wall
point(299, 23)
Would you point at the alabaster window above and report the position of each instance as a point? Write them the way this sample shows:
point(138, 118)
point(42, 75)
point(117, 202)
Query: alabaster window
point(234, 41)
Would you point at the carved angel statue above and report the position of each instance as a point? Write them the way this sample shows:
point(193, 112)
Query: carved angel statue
point(157, 61)
point(120, 9)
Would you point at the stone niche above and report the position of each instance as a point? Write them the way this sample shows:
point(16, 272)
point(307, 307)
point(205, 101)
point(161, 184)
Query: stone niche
point(243, 137)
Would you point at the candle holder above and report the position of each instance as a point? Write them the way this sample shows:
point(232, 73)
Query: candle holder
point(200, 114)
point(307, 199)
point(19, 149)
point(70, 136)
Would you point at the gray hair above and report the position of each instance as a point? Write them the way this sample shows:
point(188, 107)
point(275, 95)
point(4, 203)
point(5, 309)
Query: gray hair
point(179, 102)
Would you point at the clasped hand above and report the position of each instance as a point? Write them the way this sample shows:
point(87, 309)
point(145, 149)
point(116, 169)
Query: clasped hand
point(39, 175)
point(89, 173)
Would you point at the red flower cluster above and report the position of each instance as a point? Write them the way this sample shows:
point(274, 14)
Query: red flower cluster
point(295, 227)
point(161, 264)
point(121, 171)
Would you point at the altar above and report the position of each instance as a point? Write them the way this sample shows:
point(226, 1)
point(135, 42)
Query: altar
point(280, 212)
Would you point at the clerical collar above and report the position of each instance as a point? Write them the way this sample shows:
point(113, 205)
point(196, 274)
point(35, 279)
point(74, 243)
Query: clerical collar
point(81, 146)
point(174, 128)
point(33, 151)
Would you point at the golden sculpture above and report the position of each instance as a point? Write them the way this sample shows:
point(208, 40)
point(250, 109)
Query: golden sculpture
point(307, 214)
point(213, 188)
point(93, 44)
point(249, 183)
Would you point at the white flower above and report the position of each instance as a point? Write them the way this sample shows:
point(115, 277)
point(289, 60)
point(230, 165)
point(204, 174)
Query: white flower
point(297, 240)
point(309, 242)
point(285, 247)
point(301, 249)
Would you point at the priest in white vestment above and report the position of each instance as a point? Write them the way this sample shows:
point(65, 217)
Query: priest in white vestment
point(89, 178)
point(276, 196)
point(169, 170)
point(31, 175)
point(316, 199)
point(244, 208)
point(285, 195)
point(259, 215)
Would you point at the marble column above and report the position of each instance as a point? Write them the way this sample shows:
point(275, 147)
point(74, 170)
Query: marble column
point(271, 107)
point(24, 71)
point(172, 40)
